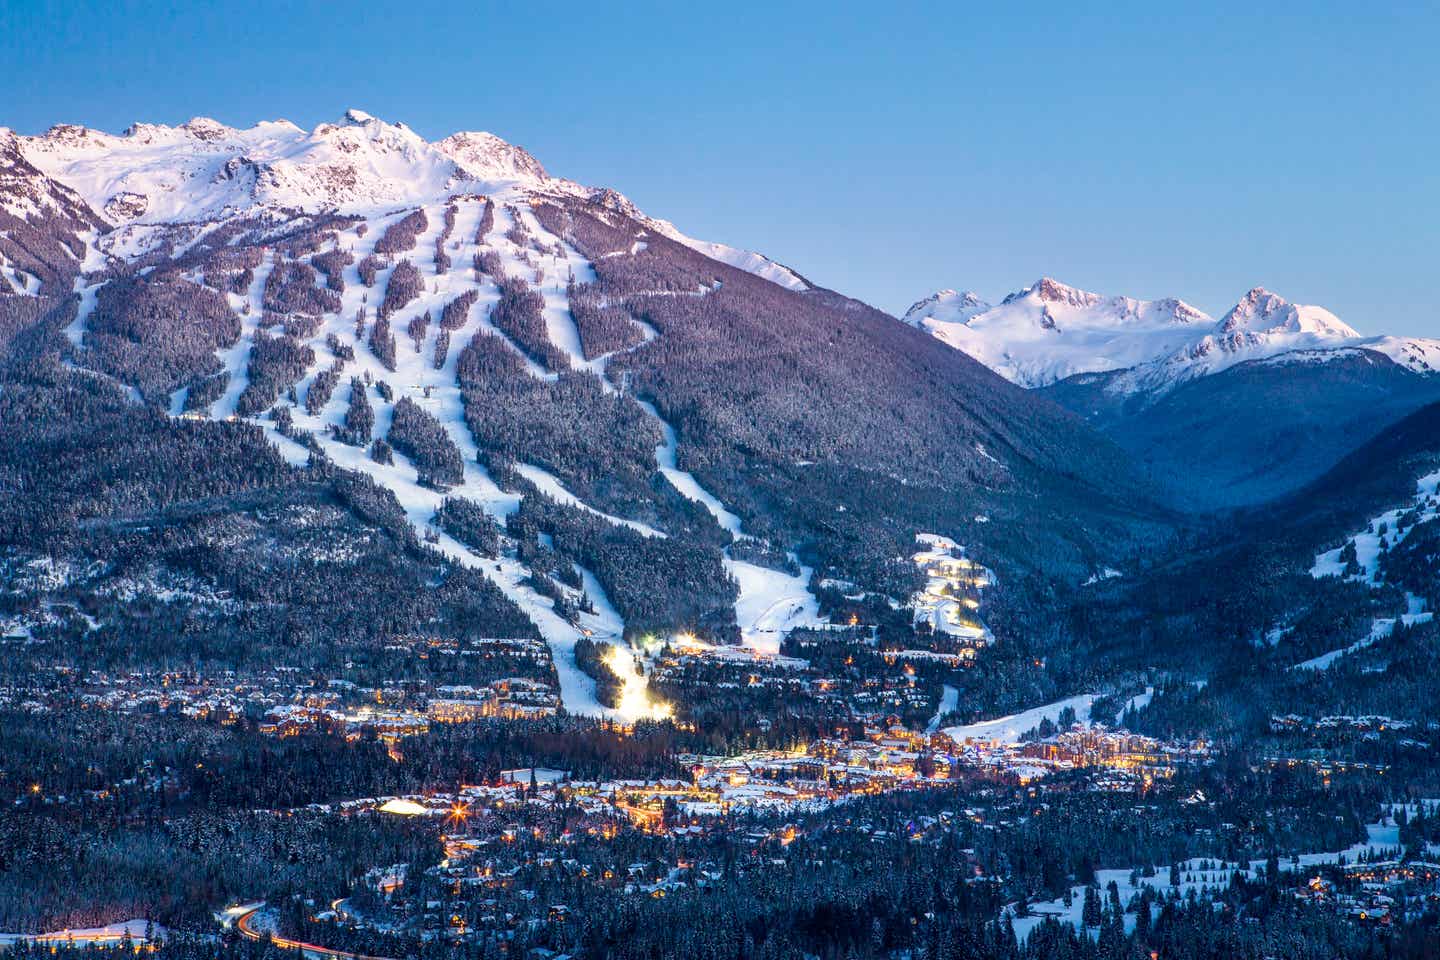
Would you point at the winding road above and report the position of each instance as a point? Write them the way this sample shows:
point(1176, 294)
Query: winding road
point(245, 923)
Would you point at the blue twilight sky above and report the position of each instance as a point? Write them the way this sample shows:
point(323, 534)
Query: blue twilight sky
point(1131, 149)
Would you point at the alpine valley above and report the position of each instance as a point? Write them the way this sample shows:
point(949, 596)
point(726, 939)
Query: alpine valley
point(407, 552)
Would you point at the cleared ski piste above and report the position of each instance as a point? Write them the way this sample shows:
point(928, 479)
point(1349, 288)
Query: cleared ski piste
point(1008, 729)
point(770, 602)
point(1367, 558)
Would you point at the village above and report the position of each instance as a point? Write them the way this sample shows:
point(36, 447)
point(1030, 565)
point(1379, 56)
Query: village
point(511, 846)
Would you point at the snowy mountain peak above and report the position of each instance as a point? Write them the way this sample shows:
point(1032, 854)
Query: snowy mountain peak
point(747, 260)
point(1261, 313)
point(1050, 331)
point(1049, 290)
point(26, 193)
point(203, 171)
point(946, 305)
point(358, 127)
point(485, 156)
point(205, 128)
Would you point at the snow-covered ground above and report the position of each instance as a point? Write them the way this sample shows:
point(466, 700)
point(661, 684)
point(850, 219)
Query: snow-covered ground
point(154, 178)
point(1387, 527)
point(202, 170)
point(949, 701)
point(1367, 541)
point(771, 604)
point(667, 457)
point(1008, 729)
point(1382, 840)
point(236, 359)
point(1379, 630)
point(438, 392)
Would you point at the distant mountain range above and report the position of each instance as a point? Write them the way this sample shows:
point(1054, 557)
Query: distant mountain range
point(1224, 413)
point(1049, 332)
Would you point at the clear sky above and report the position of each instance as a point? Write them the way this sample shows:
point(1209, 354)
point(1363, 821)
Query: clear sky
point(1133, 149)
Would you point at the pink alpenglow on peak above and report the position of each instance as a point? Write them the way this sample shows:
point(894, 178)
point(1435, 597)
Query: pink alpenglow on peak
point(1051, 331)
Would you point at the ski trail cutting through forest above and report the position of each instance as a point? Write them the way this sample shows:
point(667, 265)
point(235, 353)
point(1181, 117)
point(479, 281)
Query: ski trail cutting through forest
point(1365, 549)
point(437, 392)
point(236, 359)
point(770, 602)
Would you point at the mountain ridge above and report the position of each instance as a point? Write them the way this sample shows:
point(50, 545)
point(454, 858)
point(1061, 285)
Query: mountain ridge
point(620, 429)
point(1049, 331)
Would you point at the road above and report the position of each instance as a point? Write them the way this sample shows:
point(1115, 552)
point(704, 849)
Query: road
point(310, 951)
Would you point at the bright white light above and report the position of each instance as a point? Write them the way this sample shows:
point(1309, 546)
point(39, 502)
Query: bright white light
point(635, 703)
point(404, 808)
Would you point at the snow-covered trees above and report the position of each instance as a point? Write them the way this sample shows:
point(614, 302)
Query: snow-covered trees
point(204, 392)
point(488, 263)
point(159, 335)
point(467, 522)
point(657, 583)
point(442, 348)
point(332, 263)
point(519, 314)
point(442, 259)
point(231, 268)
point(322, 387)
point(417, 328)
point(382, 343)
point(403, 286)
point(419, 436)
point(291, 288)
point(276, 363)
point(359, 416)
point(487, 223)
point(602, 444)
point(400, 236)
point(457, 311)
point(369, 268)
point(604, 328)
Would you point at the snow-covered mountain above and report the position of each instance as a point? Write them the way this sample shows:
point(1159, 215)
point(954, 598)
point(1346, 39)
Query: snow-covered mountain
point(1182, 391)
point(1049, 332)
point(617, 429)
point(40, 223)
point(202, 171)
